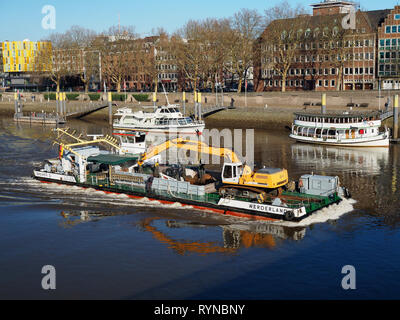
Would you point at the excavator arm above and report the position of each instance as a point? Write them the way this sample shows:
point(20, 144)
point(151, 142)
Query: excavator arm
point(234, 172)
point(191, 145)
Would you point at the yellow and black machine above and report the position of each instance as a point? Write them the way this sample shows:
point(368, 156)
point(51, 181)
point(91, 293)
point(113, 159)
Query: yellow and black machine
point(238, 179)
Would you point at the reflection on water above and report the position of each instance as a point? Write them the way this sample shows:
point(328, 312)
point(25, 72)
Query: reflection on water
point(234, 236)
point(347, 160)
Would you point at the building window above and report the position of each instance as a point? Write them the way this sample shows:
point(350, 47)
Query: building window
point(326, 83)
point(332, 83)
point(394, 29)
point(397, 17)
point(388, 29)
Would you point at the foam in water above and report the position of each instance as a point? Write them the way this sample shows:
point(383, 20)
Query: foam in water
point(333, 212)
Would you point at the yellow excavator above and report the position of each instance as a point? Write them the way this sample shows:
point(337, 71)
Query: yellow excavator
point(237, 178)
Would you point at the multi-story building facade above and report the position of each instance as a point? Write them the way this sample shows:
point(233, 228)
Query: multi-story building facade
point(20, 56)
point(20, 62)
point(167, 70)
point(389, 51)
point(2, 74)
point(328, 57)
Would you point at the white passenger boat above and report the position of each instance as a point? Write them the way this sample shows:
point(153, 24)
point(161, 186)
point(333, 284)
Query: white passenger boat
point(165, 119)
point(340, 129)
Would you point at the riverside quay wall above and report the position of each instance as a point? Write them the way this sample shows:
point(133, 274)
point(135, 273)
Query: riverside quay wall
point(255, 110)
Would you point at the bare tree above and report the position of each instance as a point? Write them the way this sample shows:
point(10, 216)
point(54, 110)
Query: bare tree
point(246, 26)
point(67, 57)
point(64, 59)
point(335, 43)
point(156, 56)
point(188, 48)
point(118, 54)
point(215, 33)
point(283, 37)
point(82, 38)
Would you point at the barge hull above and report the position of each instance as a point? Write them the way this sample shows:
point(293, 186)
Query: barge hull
point(206, 206)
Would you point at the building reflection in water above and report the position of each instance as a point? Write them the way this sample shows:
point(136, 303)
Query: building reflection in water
point(352, 160)
point(233, 236)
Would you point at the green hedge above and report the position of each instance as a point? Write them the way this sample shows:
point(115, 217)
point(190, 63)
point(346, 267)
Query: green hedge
point(94, 96)
point(118, 97)
point(141, 97)
point(72, 96)
point(51, 96)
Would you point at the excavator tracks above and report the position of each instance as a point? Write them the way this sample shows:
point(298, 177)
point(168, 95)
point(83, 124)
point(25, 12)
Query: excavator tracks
point(261, 195)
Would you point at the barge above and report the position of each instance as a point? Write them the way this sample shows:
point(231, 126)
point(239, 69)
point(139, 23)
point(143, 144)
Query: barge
point(83, 164)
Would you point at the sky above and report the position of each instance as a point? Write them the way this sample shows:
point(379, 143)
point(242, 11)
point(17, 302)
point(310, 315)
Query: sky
point(23, 19)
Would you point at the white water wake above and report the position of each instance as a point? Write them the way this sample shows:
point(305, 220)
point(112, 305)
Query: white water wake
point(333, 212)
point(84, 196)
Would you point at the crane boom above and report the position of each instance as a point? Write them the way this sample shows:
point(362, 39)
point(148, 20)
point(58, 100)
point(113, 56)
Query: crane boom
point(197, 146)
point(235, 175)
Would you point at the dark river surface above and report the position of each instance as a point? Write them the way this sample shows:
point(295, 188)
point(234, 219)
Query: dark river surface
point(112, 247)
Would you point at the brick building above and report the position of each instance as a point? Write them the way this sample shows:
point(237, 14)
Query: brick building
point(327, 57)
point(389, 51)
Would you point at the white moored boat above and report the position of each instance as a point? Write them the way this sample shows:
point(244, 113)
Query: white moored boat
point(340, 129)
point(165, 119)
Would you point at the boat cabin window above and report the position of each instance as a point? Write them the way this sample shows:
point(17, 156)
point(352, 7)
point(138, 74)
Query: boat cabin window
point(331, 132)
point(124, 139)
point(140, 138)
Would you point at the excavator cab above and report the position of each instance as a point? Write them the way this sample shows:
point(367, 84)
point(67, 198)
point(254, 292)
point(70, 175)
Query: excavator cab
point(231, 173)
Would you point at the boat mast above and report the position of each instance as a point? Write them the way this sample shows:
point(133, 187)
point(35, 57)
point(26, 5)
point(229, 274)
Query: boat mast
point(166, 96)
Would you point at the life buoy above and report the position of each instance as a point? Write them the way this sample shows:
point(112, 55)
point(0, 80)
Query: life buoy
point(289, 215)
point(371, 124)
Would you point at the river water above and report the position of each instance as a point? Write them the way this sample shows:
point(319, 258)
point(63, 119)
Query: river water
point(112, 247)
